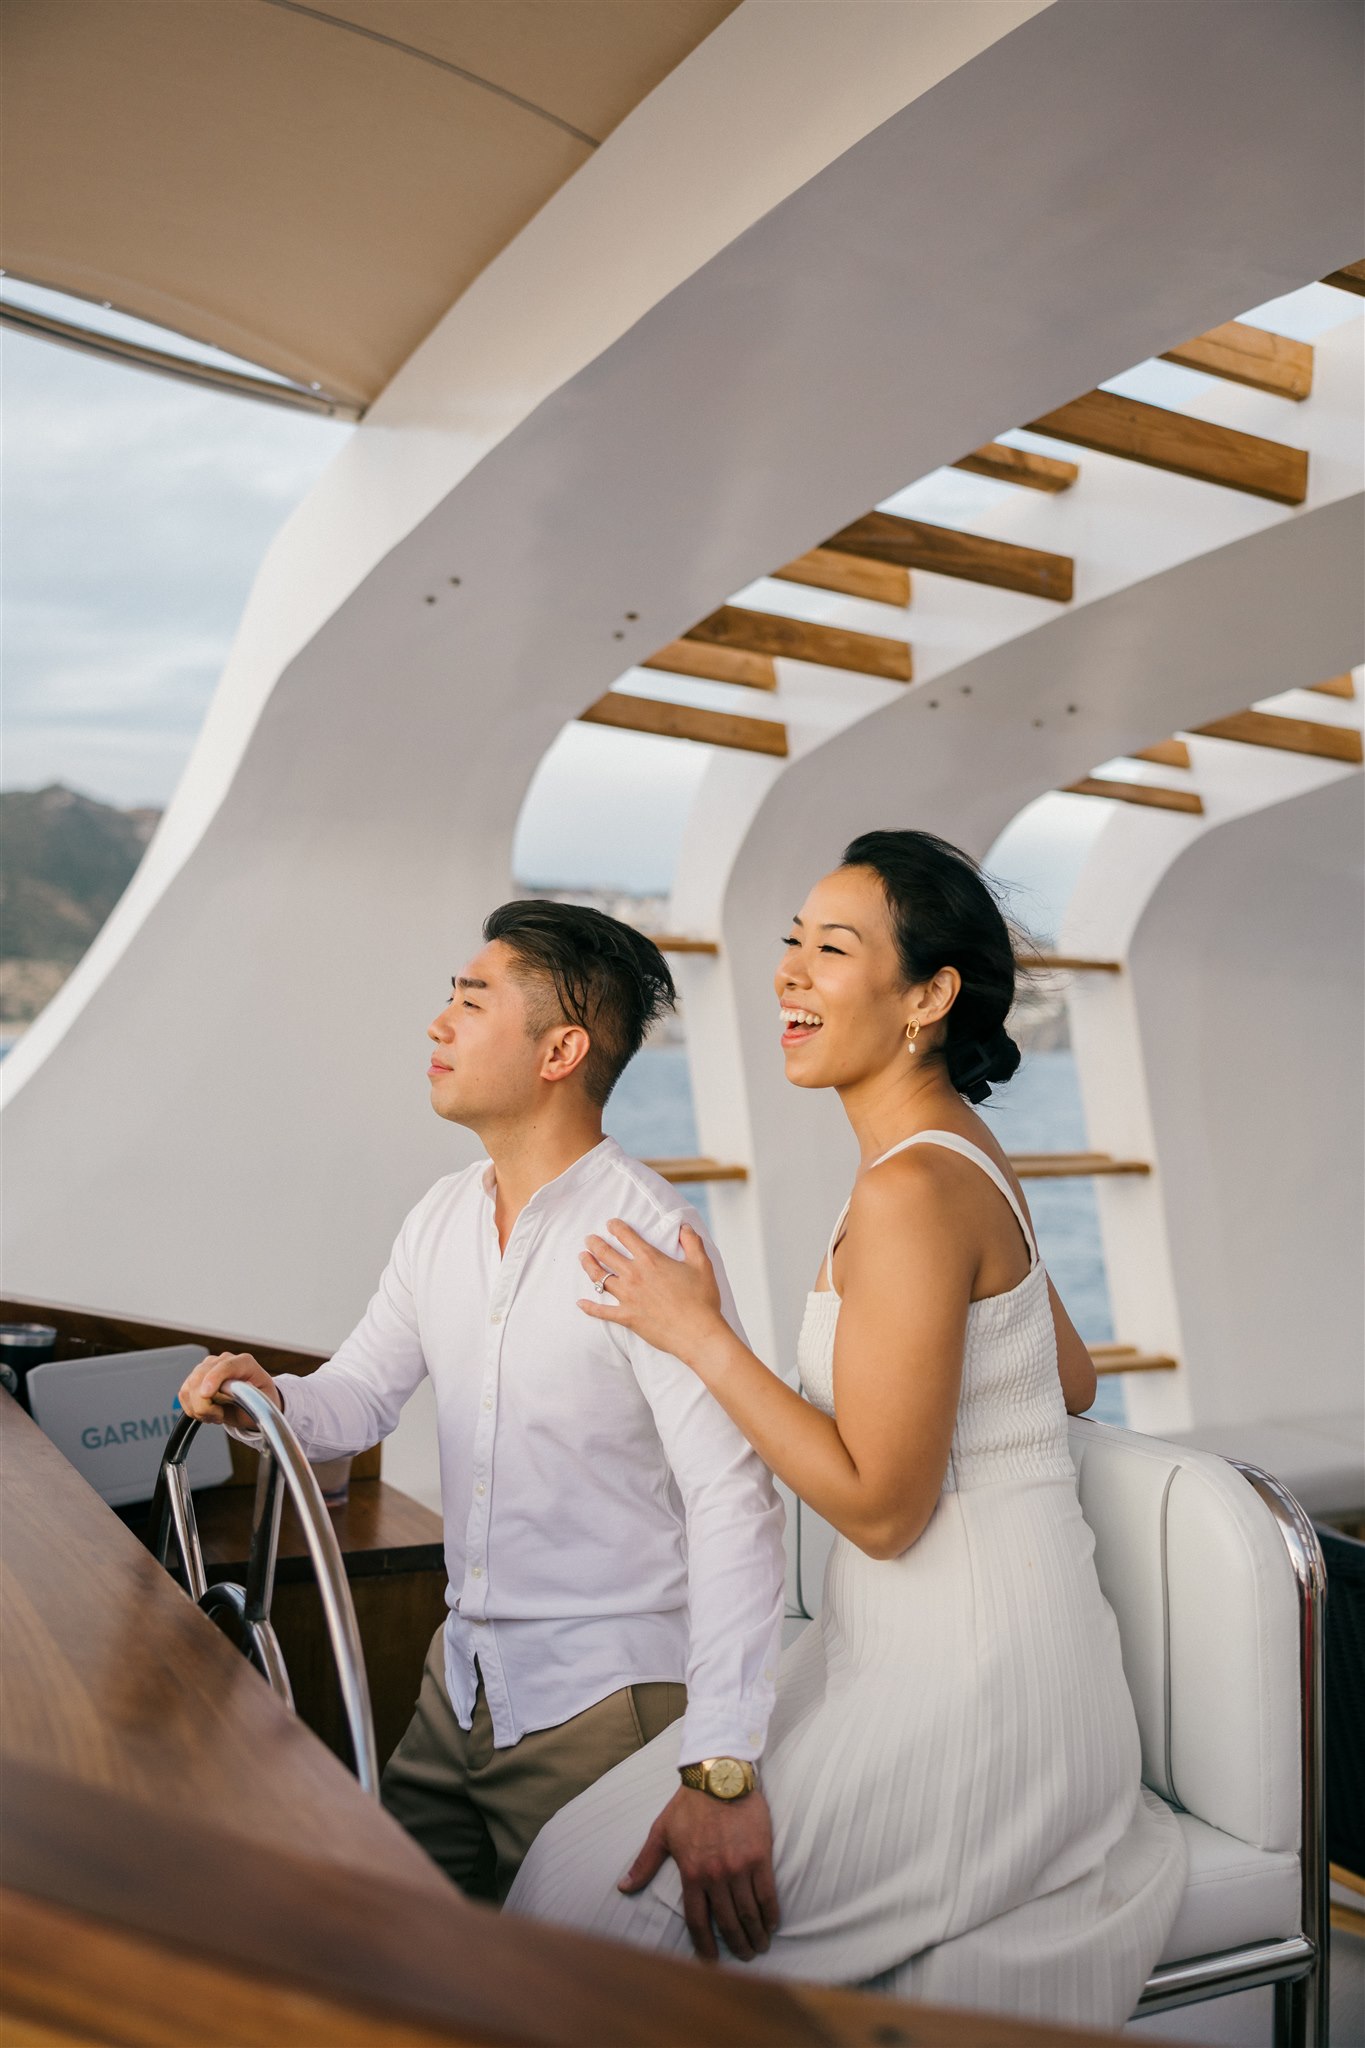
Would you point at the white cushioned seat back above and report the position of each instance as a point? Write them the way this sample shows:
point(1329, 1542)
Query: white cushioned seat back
point(1193, 1565)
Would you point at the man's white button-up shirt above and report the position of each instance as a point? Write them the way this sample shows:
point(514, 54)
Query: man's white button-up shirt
point(605, 1522)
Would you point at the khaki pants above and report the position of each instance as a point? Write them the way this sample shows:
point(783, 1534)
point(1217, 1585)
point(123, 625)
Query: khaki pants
point(476, 1810)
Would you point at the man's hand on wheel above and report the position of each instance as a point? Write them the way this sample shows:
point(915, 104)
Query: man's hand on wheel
point(724, 1854)
point(201, 1395)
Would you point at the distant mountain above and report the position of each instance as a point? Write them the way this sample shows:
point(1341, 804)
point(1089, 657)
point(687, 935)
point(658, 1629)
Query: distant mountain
point(64, 862)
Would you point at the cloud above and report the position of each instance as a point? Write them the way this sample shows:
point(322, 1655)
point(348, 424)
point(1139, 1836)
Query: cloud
point(137, 511)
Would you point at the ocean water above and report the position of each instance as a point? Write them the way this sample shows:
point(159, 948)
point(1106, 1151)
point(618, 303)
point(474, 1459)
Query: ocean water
point(651, 1114)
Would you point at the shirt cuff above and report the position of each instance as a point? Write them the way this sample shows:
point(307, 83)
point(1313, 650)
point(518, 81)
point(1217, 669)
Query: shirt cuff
point(737, 1728)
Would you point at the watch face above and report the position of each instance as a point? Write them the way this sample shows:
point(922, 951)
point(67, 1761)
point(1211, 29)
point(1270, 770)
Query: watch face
point(726, 1778)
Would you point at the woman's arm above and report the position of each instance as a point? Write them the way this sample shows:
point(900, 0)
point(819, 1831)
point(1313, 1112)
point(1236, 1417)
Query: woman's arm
point(1075, 1366)
point(877, 1471)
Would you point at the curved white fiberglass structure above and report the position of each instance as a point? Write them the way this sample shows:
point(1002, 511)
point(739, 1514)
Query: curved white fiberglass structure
point(837, 247)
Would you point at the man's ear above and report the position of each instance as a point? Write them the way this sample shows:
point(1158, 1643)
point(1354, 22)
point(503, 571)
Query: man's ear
point(565, 1053)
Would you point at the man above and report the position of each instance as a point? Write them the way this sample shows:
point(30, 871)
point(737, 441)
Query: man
point(608, 1532)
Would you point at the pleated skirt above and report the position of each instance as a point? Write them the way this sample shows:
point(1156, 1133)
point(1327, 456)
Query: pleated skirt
point(953, 1770)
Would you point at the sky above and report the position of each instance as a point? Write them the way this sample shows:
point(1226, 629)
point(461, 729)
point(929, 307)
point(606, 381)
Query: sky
point(136, 511)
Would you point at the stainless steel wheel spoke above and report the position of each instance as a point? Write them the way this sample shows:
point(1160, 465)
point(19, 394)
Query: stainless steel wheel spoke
point(243, 1612)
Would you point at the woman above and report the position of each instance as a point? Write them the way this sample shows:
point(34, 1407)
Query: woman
point(953, 1763)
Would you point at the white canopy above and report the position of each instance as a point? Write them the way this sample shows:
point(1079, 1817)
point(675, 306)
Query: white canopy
point(307, 187)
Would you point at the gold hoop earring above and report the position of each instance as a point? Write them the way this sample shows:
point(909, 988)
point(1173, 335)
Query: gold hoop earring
point(911, 1034)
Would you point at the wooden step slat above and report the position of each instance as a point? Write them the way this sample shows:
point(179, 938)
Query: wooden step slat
point(1006, 465)
point(1167, 753)
point(1114, 1358)
point(685, 722)
point(683, 1171)
point(1072, 1165)
point(1289, 735)
point(850, 575)
point(885, 537)
point(1350, 278)
point(1187, 447)
point(1152, 794)
point(681, 942)
point(1249, 355)
point(715, 664)
point(1336, 686)
point(868, 654)
point(1075, 963)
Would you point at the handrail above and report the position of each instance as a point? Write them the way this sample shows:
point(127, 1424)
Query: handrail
point(1300, 1539)
point(1297, 1965)
point(249, 1607)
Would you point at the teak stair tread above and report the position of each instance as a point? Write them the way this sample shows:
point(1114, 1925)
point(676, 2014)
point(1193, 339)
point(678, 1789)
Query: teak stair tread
point(682, 1171)
point(1116, 1358)
point(948, 551)
point(686, 722)
point(849, 575)
point(1077, 963)
point(1072, 1165)
point(1350, 278)
point(1155, 796)
point(777, 636)
point(715, 664)
point(681, 942)
point(1287, 735)
point(1249, 355)
point(1006, 465)
point(1151, 434)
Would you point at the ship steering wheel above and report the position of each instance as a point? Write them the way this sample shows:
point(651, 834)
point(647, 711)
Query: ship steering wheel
point(243, 1612)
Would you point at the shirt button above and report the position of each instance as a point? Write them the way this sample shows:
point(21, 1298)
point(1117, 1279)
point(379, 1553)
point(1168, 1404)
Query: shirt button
point(767, 1674)
point(753, 1735)
point(481, 1488)
point(488, 1400)
point(476, 1572)
point(496, 1316)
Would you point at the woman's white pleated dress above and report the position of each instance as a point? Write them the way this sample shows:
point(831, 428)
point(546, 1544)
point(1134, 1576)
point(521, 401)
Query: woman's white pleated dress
point(953, 1764)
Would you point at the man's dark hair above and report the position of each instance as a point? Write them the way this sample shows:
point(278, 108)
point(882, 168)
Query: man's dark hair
point(604, 975)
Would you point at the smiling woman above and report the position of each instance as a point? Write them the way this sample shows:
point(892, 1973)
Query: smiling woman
point(937, 1369)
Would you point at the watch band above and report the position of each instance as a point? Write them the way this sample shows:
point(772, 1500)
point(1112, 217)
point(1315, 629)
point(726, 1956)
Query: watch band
point(721, 1777)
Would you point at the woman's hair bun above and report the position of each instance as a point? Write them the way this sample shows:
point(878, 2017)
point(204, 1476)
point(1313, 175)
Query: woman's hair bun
point(972, 1068)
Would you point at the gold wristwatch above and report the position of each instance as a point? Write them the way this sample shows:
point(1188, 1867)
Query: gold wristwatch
point(724, 1777)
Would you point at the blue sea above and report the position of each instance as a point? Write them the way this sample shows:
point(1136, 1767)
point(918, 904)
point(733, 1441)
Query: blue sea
point(651, 1114)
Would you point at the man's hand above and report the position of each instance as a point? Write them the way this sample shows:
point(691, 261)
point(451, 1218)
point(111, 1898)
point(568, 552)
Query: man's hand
point(201, 1396)
point(724, 1854)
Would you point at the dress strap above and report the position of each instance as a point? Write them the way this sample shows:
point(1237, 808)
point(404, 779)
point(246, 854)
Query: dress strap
point(839, 1222)
point(966, 1150)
